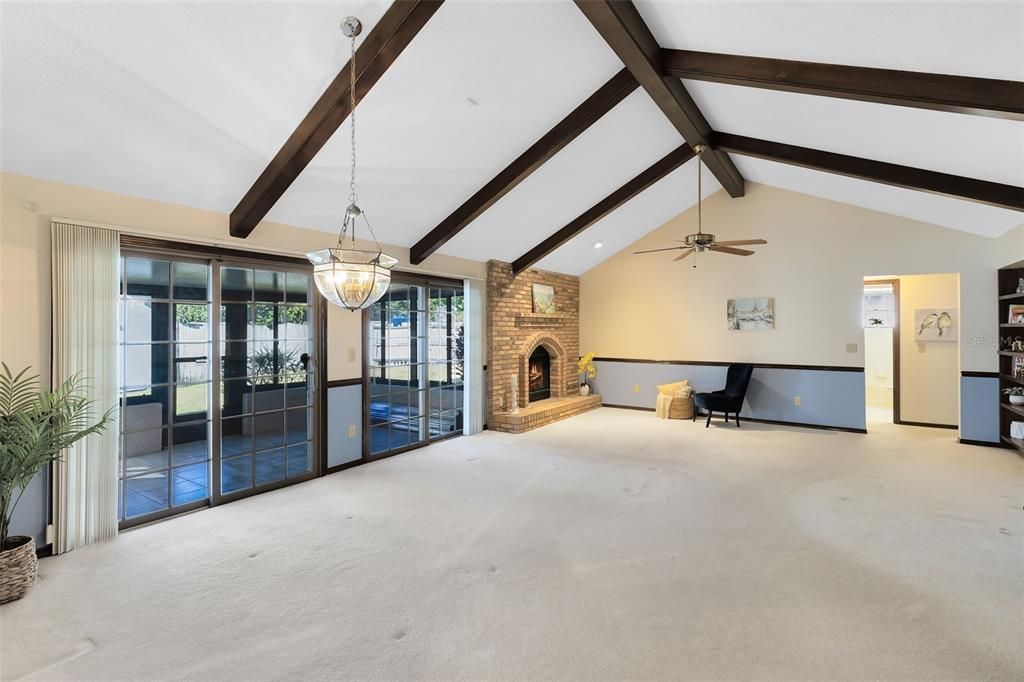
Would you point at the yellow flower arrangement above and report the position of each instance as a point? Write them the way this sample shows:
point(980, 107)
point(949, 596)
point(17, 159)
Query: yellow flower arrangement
point(586, 367)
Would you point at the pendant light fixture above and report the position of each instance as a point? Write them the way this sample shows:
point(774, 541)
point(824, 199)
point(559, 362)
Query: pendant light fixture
point(350, 277)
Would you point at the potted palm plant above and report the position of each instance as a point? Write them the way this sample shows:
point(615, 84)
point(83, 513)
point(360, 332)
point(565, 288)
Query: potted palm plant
point(36, 427)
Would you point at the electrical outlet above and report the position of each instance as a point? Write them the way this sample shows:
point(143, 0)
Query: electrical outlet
point(921, 347)
point(797, 400)
point(352, 431)
point(636, 388)
point(351, 354)
point(851, 348)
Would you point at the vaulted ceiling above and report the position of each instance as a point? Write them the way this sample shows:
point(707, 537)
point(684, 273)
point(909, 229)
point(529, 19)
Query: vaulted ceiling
point(188, 102)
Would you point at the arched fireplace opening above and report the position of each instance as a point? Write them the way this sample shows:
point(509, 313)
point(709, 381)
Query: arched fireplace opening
point(539, 375)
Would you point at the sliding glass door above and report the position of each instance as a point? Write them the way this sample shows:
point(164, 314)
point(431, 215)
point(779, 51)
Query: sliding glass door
point(180, 447)
point(414, 338)
point(266, 397)
point(165, 336)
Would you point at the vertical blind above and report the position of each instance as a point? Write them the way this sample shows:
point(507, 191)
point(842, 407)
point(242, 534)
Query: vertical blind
point(84, 293)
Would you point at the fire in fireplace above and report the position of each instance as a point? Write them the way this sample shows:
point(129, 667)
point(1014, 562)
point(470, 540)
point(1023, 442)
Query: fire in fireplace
point(540, 375)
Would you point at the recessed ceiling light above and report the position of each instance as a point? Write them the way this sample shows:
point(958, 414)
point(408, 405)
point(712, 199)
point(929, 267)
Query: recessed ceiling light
point(598, 245)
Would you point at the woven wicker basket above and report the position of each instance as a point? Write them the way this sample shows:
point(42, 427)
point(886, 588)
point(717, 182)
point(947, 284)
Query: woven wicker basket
point(681, 408)
point(18, 567)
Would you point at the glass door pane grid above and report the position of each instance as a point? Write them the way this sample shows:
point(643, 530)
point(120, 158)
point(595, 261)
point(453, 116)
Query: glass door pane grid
point(446, 352)
point(415, 353)
point(395, 397)
point(266, 403)
point(163, 315)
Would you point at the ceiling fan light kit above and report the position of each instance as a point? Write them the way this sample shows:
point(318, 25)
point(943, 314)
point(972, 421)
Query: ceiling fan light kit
point(350, 277)
point(702, 241)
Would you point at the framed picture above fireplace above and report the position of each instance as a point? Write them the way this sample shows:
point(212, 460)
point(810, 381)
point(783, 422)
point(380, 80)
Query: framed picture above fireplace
point(543, 298)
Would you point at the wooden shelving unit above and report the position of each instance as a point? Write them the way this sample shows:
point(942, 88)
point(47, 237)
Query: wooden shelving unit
point(1009, 332)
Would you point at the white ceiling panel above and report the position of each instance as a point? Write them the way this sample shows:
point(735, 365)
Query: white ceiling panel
point(972, 146)
point(972, 38)
point(966, 216)
point(186, 102)
point(624, 142)
point(645, 213)
point(181, 102)
point(464, 99)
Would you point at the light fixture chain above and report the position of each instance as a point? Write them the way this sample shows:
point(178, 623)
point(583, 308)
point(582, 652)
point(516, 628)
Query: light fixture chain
point(700, 222)
point(352, 114)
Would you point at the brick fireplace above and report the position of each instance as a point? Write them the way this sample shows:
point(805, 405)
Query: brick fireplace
point(516, 335)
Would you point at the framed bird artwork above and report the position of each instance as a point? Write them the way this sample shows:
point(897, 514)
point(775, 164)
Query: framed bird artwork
point(936, 324)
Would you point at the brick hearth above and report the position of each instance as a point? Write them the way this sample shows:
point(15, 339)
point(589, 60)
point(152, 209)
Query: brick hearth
point(542, 413)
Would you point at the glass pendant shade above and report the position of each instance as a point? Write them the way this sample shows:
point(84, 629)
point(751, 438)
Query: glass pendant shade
point(351, 278)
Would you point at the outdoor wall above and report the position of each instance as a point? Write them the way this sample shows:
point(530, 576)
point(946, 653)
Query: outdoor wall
point(818, 253)
point(929, 372)
point(27, 206)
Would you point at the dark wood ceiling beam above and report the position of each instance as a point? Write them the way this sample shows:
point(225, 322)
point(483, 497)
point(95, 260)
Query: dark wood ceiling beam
point(622, 27)
point(377, 52)
point(568, 129)
point(960, 94)
point(651, 175)
point(981, 191)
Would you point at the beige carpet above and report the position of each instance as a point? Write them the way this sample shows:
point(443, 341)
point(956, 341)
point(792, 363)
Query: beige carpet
point(610, 546)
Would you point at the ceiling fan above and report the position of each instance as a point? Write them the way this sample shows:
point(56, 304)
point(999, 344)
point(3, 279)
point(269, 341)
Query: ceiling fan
point(705, 241)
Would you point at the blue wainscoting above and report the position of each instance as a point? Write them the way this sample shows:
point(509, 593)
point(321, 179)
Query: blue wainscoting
point(344, 409)
point(979, 408)
point(829, 397)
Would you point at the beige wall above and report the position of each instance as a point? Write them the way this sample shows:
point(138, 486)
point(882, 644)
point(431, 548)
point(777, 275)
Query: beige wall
point(818, 253)
point(878, 366)
point(929, 372)
point(28, 204)
point(1010, 248)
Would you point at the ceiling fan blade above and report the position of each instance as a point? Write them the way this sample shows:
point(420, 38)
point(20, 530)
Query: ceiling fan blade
point(671, 248)
point(742, 242)
point(684, 254)
point(730, 250)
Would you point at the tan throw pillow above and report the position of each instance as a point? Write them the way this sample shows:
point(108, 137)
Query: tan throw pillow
point(680, 389)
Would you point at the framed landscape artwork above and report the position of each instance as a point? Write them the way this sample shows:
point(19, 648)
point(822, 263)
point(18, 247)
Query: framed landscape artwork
point(935, 324)
point(750, 314)
point(543, 298)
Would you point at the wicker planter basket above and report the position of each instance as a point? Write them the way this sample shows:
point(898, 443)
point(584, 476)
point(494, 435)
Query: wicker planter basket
point(17, 567)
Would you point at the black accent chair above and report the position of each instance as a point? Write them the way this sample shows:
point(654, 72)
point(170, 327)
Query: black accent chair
point(730, 398)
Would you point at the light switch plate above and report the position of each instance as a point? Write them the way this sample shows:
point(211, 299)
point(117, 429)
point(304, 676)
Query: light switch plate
point(351, 431)
point(351, 354)
point(797, 400)
point(636, 388)
point(851, 348)
point(921, 347)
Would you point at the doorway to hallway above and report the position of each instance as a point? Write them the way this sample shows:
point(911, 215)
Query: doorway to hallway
point(881, 350)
